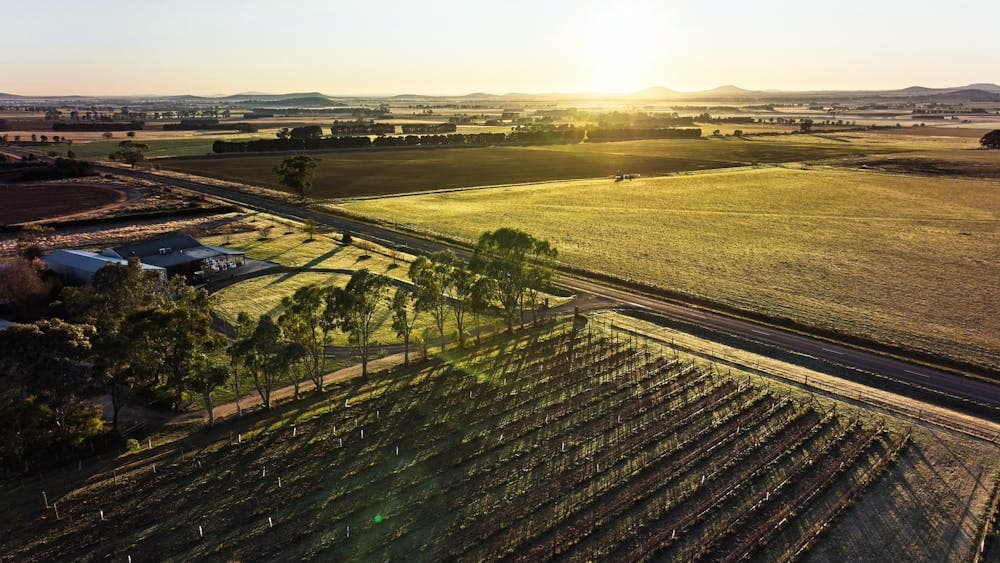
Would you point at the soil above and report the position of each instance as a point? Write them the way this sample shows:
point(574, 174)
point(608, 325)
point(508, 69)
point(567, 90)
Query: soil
point(20, 203)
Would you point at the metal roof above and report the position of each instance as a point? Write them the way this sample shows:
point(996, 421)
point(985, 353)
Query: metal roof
point(170, 250)
point(182, 256)
point(85, 261)
point(152, 246)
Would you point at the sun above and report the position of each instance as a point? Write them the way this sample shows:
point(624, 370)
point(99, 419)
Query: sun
point(619, 55)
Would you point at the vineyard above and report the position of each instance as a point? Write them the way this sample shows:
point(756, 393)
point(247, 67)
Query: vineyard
point(564, 442)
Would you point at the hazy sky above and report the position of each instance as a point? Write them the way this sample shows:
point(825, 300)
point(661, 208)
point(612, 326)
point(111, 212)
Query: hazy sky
point(451, 47)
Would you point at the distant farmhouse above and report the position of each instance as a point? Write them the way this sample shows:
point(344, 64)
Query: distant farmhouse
point(170, 255)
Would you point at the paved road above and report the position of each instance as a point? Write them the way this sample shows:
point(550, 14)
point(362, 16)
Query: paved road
point(916, 375)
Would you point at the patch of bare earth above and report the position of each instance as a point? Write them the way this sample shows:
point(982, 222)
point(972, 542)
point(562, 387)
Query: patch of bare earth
point(20, 203)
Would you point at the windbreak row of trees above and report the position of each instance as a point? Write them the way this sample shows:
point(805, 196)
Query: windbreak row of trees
point(641, 120)
point(604, 134)
point(282, 145)
point(291, 348)
point(558, 135)
point(98, 126)
point(508, 273)
point(361, 127)
point(209, 125)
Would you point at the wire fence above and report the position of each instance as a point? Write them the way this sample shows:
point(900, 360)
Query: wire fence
point(827, 384)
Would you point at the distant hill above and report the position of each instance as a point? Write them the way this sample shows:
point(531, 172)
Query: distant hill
point(979, 92)
point(318, 101)
point(965, 95)
point(974, 90)
point(479, 96)
point(915, 90)
point(995, 88)
point(727, 90)
point(262, 97)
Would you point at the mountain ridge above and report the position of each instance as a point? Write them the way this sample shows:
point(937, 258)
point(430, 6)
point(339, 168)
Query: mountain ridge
point(982, 91)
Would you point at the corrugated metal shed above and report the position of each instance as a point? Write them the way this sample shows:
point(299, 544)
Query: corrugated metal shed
point(178, 253)
point(154, 246)
point(79, 266)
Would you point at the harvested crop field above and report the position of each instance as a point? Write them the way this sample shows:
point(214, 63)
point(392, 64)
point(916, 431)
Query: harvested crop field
point(33, 202)
point(902, 259)
point(963, 163)
point(345, 174)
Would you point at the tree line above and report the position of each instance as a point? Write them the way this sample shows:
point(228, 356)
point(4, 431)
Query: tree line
point(508, 272)
point(361, 127)
point(132, 336)
point(209, 125)
point(98, 126)
point(562, 135)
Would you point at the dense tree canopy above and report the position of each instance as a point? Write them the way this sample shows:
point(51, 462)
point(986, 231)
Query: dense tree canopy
point(130, 152)
point(44, 374)
point(296, 172)
point(404, 317)
point(357, 305)
point(518, 263)
point(430, 276)
point(991, 140)
point(302, 322)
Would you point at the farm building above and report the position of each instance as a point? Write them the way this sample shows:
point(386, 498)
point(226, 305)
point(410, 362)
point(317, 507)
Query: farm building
point(180, 254)
point(79, 266)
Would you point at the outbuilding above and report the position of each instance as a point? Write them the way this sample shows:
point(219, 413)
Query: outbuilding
point(180, 255)
point(79, 266)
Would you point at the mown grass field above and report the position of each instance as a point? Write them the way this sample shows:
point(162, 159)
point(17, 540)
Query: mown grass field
point(194, 145)
point(262, 295)
point(907, 260)
point(554, 442)
point(380, 172)
point(288, 246)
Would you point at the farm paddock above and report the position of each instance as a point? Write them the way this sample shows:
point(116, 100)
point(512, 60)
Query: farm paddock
point(564, 441)
point(23, 203)
point(900, 259)
point(368, 173)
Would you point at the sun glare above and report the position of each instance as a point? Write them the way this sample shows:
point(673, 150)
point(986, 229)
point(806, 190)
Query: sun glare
point(620, 55)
